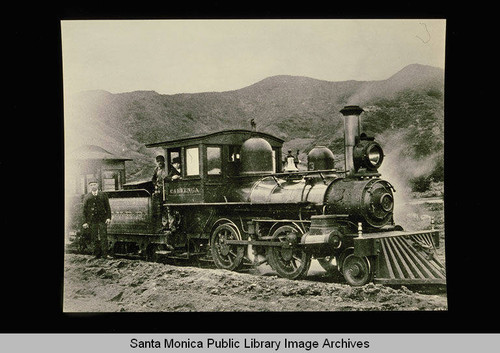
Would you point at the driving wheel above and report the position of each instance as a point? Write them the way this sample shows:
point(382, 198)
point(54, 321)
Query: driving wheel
point(226, 256)
point(289, 260)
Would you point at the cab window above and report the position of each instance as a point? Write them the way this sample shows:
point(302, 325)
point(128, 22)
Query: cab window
point(192, 161)
point(214, 161)
point(234, 153)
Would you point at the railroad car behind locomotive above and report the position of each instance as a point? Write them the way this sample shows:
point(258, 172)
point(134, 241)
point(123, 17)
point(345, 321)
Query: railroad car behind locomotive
point(238, 204)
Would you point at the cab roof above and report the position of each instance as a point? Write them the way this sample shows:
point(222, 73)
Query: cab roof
point(225, 137)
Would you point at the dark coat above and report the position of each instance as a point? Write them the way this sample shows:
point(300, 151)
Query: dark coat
point(96, 209)
point(154, 179)
point(169, 176)
point(173, 172)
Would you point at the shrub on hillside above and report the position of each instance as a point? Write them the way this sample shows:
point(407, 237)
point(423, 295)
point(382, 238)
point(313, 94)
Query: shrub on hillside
point(421, 183)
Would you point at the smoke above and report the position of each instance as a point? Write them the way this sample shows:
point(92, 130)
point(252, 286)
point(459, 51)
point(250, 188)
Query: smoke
point(399, 168)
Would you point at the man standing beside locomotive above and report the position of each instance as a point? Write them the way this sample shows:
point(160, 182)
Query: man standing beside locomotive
point(97, 216)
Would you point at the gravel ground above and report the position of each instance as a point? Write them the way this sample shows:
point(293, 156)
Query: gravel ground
point(115, 285)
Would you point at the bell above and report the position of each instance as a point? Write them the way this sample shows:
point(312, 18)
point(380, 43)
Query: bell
point(290, 165)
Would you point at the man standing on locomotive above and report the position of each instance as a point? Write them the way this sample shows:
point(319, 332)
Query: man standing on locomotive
point(97, 216)
point(159, 174)
point(158, 179)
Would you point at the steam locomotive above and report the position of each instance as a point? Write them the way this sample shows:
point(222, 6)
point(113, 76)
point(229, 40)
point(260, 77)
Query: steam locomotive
point(239, 204)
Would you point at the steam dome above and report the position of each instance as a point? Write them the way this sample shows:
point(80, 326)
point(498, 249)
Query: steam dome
point(320, 158)
point(256, 156)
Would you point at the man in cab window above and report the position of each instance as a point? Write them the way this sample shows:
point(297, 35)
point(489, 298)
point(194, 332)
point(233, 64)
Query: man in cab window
point(175, 170)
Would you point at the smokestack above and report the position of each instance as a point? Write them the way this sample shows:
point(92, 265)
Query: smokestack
point(351, 134)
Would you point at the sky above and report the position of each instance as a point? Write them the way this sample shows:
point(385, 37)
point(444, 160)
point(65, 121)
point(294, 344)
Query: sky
point(190, 56)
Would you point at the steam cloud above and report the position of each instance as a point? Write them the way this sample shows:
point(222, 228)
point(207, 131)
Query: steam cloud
point(399, 168)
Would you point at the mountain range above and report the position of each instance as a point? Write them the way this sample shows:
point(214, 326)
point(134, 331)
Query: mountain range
point(405, 113)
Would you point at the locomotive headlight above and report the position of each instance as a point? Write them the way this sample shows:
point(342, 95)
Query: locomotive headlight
point(368, 154)
point(375, 155)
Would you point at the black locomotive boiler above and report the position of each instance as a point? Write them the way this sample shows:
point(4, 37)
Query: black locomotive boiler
point(237, 203)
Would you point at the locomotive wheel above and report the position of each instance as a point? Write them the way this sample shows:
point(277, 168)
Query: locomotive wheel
point(356, 270)
point(289, 262)
point(225, 256)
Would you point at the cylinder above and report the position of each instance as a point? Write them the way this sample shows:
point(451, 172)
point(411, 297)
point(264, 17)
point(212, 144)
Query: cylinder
point(351, 134)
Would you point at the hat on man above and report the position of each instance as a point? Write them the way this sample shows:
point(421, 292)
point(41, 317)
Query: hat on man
point(160, 158)
point(176, 160)
point(92, 180)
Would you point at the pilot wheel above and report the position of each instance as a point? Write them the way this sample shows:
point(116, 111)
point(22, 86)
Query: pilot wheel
point(356, 270)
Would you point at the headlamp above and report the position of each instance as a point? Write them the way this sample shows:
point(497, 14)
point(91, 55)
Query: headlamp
point(368, 154)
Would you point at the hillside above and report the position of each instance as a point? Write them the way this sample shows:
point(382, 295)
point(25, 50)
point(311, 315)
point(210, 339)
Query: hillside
point(405, 113)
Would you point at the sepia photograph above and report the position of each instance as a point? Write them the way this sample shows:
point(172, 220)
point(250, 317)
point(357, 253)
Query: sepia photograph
point(254, 165)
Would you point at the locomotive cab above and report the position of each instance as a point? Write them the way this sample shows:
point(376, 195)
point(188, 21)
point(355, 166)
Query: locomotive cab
point(207, 162)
